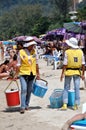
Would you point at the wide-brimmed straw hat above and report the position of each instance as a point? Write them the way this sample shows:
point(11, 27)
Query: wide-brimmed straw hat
point(29, 41)
point(72, 42)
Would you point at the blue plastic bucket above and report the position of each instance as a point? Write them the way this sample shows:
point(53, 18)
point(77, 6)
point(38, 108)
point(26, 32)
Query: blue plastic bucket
point(39, 88)
point(56, 98)
point(71, 98)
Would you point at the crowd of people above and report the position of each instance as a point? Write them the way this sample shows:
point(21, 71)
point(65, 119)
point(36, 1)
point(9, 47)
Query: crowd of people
point(24, 62)
point(9, 58)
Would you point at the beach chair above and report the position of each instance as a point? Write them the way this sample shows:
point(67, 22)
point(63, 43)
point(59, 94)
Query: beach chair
point(57, 61)
point(49, 59)
point(54, 60)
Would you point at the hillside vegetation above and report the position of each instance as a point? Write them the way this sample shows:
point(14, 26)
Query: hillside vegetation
point(34, 17)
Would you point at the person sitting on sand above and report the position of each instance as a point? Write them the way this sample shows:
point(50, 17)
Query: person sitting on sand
point(4, 69)
point(13, 63)
point(12, 67)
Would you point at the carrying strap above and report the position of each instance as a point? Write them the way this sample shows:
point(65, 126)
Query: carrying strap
point(10, 84)
point(79, 69)
point(72, 68)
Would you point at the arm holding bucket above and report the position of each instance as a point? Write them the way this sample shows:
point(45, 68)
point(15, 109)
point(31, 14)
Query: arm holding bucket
point(64, 66)
point(37, 71)
point(83, 70)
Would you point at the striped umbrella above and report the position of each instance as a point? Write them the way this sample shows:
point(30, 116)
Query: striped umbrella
point(76, 27)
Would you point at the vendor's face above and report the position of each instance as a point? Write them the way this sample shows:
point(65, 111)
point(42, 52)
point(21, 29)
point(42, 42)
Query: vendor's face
point(31, 47)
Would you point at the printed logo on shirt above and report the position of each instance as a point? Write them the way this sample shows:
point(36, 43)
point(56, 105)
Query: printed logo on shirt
point(75, 59)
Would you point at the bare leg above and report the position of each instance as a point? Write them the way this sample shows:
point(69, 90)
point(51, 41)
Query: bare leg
point(2, 75)
point(74, 118)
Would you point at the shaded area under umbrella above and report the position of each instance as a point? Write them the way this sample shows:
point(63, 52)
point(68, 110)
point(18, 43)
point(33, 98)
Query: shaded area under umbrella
point(55, 34)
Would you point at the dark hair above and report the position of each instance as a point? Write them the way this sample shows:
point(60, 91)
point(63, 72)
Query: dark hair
point(15, 57)
point(20, 43)
point(5, 63)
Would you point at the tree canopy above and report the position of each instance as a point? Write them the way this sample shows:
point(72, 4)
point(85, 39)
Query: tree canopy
point(34, 17)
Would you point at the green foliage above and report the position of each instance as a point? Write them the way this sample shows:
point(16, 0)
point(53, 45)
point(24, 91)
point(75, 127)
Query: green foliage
point(61, 6)
point(54, 26)
point(82, 14)
point(20, 20)
point(34, 17)
point(41, 26)
point(9, 4)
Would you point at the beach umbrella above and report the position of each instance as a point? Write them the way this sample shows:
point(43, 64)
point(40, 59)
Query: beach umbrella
point(36, 39)
point(54, 34)
point(60, 31)
point(76, 27)
point(22, 39)
point(19, 38)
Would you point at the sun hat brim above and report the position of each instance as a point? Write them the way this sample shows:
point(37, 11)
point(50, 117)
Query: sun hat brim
point(71, 45)
point(29, 44)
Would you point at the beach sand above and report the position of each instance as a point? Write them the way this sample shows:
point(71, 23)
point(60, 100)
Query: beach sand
point(40, 117)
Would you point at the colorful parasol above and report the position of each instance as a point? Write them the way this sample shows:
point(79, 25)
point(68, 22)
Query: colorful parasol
point(76, 27)
point(19, 38)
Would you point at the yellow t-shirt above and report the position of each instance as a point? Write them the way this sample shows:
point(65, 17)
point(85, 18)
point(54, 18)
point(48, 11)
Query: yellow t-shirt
point(28, 63)
point(74, 58)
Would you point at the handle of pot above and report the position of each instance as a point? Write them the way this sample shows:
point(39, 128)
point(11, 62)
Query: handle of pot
point(10, 84)
point(42, 80)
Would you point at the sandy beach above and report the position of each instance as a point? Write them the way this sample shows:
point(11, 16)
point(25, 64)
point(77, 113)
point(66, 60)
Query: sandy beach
point(40, 117)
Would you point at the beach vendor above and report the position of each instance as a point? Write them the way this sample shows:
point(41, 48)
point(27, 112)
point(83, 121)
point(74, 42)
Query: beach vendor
point(73, 63)
point(28, 69)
